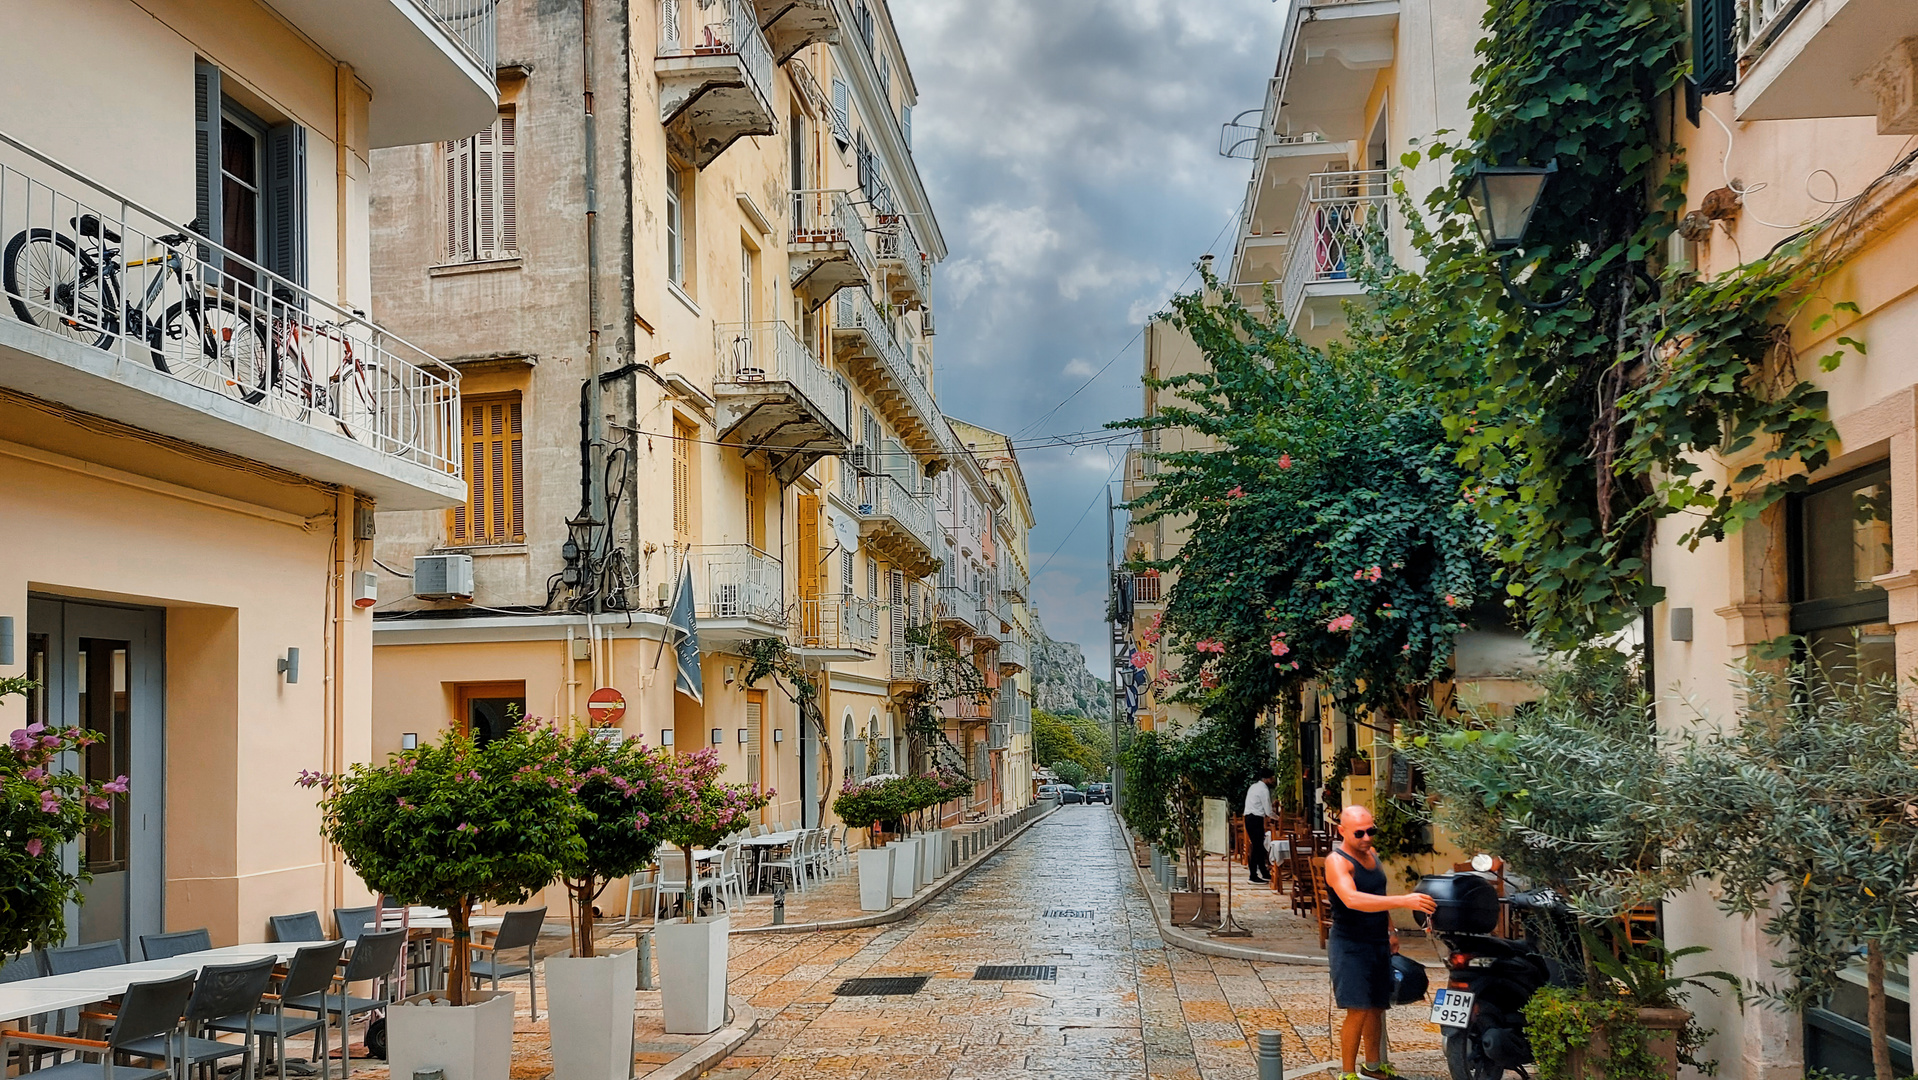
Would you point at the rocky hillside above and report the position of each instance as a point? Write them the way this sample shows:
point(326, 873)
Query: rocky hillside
point(1060, 681)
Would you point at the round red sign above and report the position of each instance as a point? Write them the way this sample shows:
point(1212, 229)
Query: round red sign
point(605, 706)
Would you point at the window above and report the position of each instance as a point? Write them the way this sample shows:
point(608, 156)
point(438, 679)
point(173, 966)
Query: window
point(755, 720)
point(755, 508)
point(745, 283)
point(885, 78)
point(678, 189)
point(481, 194)
point(250, 193)
point(1714, 51)
point(1840, 534)
point(495, 510)
point(905, 124)
point(872, 578)
point(845, 573)
point(684, 437)
point(841, 113)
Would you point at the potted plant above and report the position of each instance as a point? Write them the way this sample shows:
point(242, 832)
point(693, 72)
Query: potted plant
point(859, 809)
point(43, 808)
point(698, 812)
point(617, 782)
point(455, 825)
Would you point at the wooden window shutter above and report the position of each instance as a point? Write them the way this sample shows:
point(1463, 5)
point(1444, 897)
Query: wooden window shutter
point(756, 508)
point(206, 148)
point(1714, 49)
point(508, 187)
point(495, 510)
point(683, 436)
point(898, 604)
point(755, 719)
point(496, 193)
point(286, 202)
point(459, 199)
point(517, 460)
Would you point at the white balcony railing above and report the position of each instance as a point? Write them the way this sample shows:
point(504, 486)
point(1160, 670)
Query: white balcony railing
point(716, 28)
point(959, 605)
point(1329, 229)
point(837, 622)
point(882, 496)
point(1014, 582)
point(95, 267)
point(738, 581)
point(897, 243)
point(1013, 653)
point(758, 354)
point(472, 23)
point(854, 308)
point(1760, 20)
point(912, 663)
point(830, 217)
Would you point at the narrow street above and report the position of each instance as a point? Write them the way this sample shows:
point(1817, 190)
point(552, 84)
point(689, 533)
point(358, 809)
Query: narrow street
point(1122, 1004)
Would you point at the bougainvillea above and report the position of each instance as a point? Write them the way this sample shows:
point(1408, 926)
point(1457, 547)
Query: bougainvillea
point(700, 811)
point(617, 781)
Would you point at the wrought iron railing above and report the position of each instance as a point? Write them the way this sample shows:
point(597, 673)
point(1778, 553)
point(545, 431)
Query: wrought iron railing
point(898, 244)
point(90, 265)
point(752, 355)
point(1013, 653)
point(718, 28)
point(958, 605)
point(1328, 231)
point(853, 308)
point(822, 216)
point(912, 663)
point(1145, 587)
point(474, 24)
point(1759, 21)
point(883, 496)
point(1013, 581)
point(836, 622)
point(738, 581)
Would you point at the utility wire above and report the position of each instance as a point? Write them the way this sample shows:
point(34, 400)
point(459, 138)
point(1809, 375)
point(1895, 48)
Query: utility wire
point(1082, 517)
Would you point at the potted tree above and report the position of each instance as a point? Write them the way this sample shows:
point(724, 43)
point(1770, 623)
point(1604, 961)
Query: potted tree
point(592, 995)
point(859, 808)
point(698, 812)
point(455, 825)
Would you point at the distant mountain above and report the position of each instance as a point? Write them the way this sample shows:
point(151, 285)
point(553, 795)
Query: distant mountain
point(1060, 681)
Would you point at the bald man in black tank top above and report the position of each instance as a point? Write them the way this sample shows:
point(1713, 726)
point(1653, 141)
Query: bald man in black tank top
point(1360, 944)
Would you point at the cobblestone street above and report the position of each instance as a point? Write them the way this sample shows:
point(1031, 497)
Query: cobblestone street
point(1123, 1004)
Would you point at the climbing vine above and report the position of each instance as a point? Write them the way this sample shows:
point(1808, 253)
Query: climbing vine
point(772, 658)
point(954, 677)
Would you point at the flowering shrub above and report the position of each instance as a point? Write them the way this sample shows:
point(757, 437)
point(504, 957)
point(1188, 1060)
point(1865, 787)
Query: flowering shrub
point(618, 783)
point(893, 798)
point(457, 824)
point(698, 811)
point(41, 808)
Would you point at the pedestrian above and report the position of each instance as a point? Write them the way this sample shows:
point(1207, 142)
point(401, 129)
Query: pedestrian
point(1258, 807)
point(1362, 939)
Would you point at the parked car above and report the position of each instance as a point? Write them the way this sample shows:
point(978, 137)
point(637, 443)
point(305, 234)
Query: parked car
point(1071, 795)
point(1101, 793)
point(1048, 791)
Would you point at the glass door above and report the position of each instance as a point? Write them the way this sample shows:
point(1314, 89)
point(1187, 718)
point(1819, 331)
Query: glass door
point(99, 667)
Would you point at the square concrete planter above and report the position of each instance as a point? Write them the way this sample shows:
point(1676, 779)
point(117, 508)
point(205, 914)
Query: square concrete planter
point(875, 878)
point(905, 868)
point(469, 1042)
point(692, 974)
point(936, 851)
point(591, 998)
point(922, 862)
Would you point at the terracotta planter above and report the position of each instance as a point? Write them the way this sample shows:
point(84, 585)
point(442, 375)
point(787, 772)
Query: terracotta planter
point(1661, 1038)
point(1202, 905)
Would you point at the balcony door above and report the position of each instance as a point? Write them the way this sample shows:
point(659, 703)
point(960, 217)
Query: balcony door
point(101, 667)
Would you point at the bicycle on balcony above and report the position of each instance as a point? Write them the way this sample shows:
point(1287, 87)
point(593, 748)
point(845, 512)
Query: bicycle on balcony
point(347, 396)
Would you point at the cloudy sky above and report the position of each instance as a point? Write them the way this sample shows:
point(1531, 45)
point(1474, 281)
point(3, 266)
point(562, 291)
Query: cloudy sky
point(1071, 151)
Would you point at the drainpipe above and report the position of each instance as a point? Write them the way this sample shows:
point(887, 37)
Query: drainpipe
point(590, 432)
point(342, 547)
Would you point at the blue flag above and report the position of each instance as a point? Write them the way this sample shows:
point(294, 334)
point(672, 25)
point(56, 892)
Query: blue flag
point(686, 650)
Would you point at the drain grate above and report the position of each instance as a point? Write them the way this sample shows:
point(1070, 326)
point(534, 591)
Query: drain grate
point(882, 987)
point(1016, 973)
point(1068, 913)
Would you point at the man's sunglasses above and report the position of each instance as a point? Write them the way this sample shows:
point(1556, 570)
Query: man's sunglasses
point(1360, 834)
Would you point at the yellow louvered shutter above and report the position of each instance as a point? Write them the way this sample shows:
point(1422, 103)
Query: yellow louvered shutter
point(684, 435)
point(495, 510)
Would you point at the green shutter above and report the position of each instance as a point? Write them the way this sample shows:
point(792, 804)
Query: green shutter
point(1714, 56)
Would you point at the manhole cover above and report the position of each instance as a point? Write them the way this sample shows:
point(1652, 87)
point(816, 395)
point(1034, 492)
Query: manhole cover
point(882, 987)
point(1068, 913)
point(1016, 973)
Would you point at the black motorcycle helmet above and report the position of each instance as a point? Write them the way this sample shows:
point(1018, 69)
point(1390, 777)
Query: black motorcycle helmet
point(1408, 980)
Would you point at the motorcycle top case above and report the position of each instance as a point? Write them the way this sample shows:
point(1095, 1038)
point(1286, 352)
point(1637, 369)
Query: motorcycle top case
point(1467, 903)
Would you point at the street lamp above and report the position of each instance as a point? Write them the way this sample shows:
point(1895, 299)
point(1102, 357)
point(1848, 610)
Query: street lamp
point(1503, 197)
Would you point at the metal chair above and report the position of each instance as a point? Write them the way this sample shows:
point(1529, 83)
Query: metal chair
point(310, 972)
point(222, 990)
point(640, 881)
point(304, 926)
point(85, 957)
point(793, 865)
point(149, 1015)
point(518, 930)
point(352, 921)
point(178, 943)
point(671, 880)
point(374, 957)
point(27, 965)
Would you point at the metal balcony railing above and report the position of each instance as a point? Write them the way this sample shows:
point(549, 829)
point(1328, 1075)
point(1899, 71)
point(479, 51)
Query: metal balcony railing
point(753, 355)
point(822, 216)
point(472, 23)
point(1013, 653)
point(998, 736)
point(854, 308)
point(1013, 580)
point(717, 28)
point(738, 581)
point(1329, 229)
point(1760, 20)
point(1145, 587)
point(958, 605)
point(88, 264)
point(881, 495)
point(897, 243)
point(837, 622)
point(912, 663)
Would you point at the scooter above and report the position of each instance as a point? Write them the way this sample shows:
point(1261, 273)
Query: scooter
point(1481, 1008)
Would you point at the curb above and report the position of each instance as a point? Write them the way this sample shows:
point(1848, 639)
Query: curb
point(1172, 935)
point(905, 907)
point(715, 1048)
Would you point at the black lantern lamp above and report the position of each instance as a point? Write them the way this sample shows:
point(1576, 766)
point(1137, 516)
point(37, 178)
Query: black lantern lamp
point(1503, 197)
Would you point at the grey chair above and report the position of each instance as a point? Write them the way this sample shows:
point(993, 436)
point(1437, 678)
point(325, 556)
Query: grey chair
point(304, 926)
point(178, 943)
point(352, 921)
point(222, 990)
point(148, 1026)
point(518, 930)
point(374, 957)
point(85, 957)
point(309, 973)
point(27, 965)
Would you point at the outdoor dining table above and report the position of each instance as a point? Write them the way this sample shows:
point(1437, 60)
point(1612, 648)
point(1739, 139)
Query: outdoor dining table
point(759, 845)
point(52, 993)
point(428, 922)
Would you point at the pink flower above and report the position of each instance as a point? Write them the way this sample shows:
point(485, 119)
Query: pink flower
point(1211, 646)
point(99, 802)
point(1141, 659)
point(1237, 492)
point(1279, 647)
point(1285, 461)
point(1341, 624)
point(1370, 573)
point(34, 847)
point(117, 785)
point(465, 827)
point(1450, 600)
point(49, 802)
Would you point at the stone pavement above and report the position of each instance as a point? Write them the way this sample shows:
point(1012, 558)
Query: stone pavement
point(1123, 1004)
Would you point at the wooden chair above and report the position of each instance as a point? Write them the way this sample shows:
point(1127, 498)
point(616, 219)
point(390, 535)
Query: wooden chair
point(1300, 862)
point(1321, 904)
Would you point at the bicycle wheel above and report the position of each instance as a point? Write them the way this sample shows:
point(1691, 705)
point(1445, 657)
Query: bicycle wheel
point(53, 286)
point(355, 400)
point(215, 343)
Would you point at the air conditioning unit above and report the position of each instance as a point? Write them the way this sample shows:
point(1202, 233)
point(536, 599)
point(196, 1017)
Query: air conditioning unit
point(926, 322)
point(443, 577)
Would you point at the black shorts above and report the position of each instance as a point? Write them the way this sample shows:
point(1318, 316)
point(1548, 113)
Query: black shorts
point(1361, 971)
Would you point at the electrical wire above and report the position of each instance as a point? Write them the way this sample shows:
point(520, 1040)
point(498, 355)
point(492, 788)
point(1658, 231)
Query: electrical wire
point(1082, 517)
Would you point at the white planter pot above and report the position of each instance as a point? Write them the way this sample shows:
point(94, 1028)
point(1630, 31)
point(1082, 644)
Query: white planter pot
point(469, 1042)
point(875, 878)
point(591, 1002)
point(923, 861)
point(692, 974)
point(936, 853)
point(905, 868)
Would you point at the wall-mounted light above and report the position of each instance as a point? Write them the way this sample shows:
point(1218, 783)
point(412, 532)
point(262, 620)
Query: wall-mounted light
point(410, 741)
point(730, 674)
point(779, 735)
point(719, 734)
point(742, 736)
point(289, 666)
point(666, 737)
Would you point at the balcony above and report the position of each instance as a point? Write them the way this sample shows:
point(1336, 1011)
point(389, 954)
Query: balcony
point(907, 269)
point(1146, 588)
point(842, 628)
point(738, 593)
point(775, 397)
point(430, 63)
point(830, 249)
point(1329, 62)
point(1802, 59)
point(791, 25)
point(863, 342)
point(1013, 581)
point(1328, 235)
point(118, 312)
point(715, 76)
point(897, 524)
point(1013, 655)
point(960, 610)
point(1141, 473)
point(912, 666)
point(998, 736)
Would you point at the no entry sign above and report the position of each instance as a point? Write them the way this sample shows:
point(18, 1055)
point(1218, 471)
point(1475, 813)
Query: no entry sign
point(605, 706)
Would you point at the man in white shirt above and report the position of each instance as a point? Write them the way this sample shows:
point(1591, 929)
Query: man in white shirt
point(1258, 807)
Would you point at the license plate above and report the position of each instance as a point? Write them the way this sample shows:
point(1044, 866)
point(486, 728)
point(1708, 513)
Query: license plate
point(1451, 1008)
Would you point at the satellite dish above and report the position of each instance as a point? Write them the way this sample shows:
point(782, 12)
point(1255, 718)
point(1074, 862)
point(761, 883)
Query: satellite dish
point(846, 532)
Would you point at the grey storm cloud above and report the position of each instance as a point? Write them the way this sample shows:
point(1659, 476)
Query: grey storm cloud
point(1071, 151)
